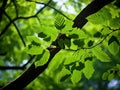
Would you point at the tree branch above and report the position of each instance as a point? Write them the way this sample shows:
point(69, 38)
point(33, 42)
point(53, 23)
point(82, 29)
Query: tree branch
point(18, 18)
point(102, 39)
point(16, 8)
point(16, 29)
point(2, 8)
point(12, 68)
point(18, 67)
point(80, 20)
point(52, 8)
point(33, 72)
point(12, 21)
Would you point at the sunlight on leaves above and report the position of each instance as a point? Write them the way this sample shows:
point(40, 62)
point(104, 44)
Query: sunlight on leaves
point(34, 47)
point(114, 48)
point(59, 22)
point(101, 55)
point(89, 69)
point(42, 59)
point(76, 76)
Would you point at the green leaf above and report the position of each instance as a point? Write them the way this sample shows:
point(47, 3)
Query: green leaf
point(118, 73)
point(89, 69)
point(76, 76)
point(42, 59)
point(80, 66)
point(111, 76)
point(67, 42)
point(33, 38)
point(114, 48)
point(73, 67)
point(35, 43)
point(100, 54)
point(74, 36)
point(47, 39)
point(112, 39)
point(100, 17)
point(57, 61)
point(97, 34)
point(61, 43)
point(105, 76)
point(42, 35)
point(35, 47)
point(59, 22)
point(90, 43)
point(63, 74)
point(115, 22)
point(65, 77)
point(88, 58)
point(118, 66)
point(67, 67)
point(79, 43)
point(34, 50)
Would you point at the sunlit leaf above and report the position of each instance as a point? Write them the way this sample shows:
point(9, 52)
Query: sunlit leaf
point(89, 69)
point(35, 47)
point(112, 39)
point(100, 17)
point(33, 38)
point(42, 59)
point(76, 76)
point(101, 55)
point(64, 77)
point(29, 27)
point(34, 50)
point(115, 23)
point(59, 22)
point(114, 48)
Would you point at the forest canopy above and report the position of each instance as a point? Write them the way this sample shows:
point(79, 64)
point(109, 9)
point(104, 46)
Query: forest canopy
point(59, 44)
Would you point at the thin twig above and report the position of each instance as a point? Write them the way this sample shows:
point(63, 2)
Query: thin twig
point(52, 8)
point(102, 39)
point(45, 5)
point(2, 8)
point(21, 17)
point(16, 29)
point(12, 68)
point(18, 67)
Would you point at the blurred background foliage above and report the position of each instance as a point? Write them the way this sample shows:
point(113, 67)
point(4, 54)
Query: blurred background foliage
point(90, 61)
